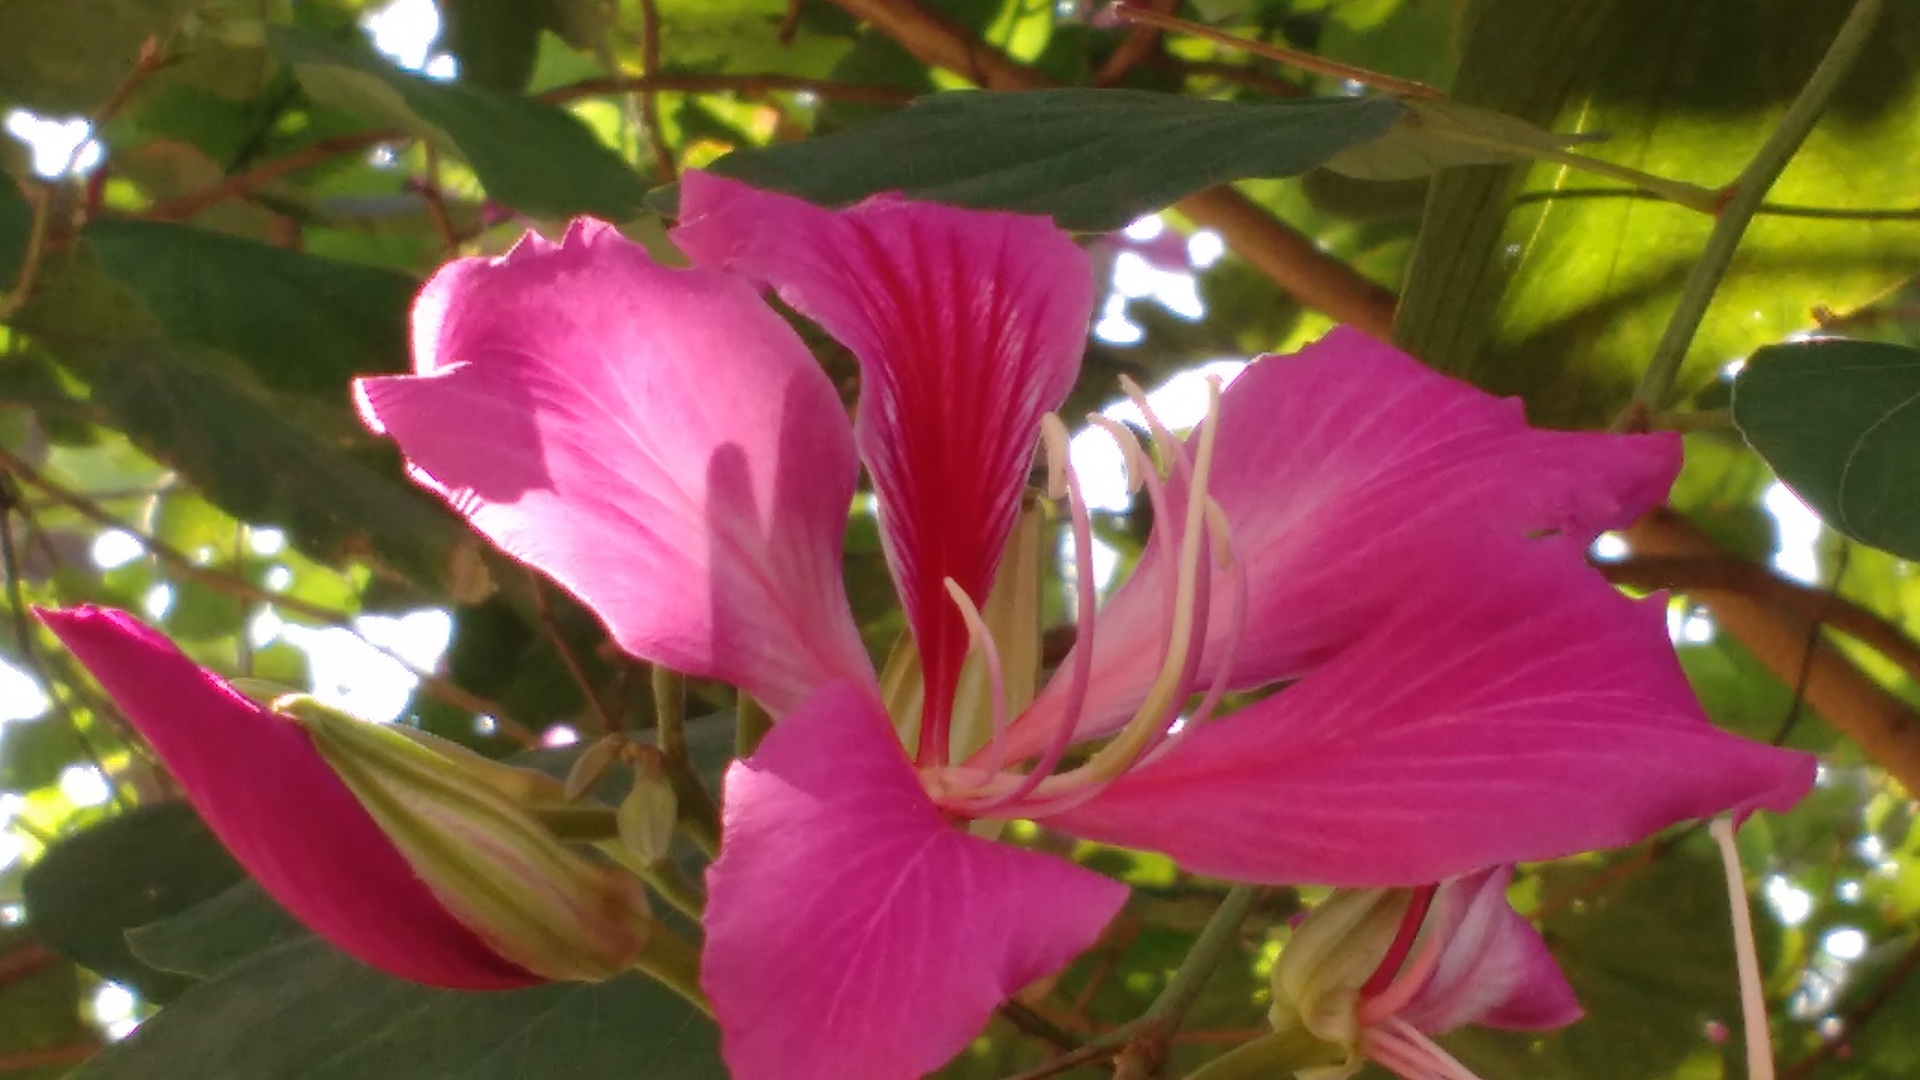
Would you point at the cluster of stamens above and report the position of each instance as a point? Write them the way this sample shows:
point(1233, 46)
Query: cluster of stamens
point(990, 785)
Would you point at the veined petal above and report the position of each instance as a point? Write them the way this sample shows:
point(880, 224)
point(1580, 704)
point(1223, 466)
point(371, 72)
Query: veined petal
point(1493, 969)
point(657, 440)
point(968, 327)
point(852, 931)
point(266, 793)
point(1342, 468)
point(1530, 713)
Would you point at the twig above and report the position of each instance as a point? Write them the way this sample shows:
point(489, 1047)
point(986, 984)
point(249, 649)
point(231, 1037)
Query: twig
point(430, 193)
point(698, 814)
point(1141, 42)
point(1032, 1022)
point(1748, 193)
point(551, 627)
point(1305, 61)
point(1243, 74)
point(1885, 728)
point(435, 685)
point(40, 1059)
point(1289, 258)
point(1148, 1046)
point(663, 161)
point(1796, 707)
point(1857, 1017)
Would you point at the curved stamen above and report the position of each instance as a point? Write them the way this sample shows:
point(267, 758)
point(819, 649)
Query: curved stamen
point(1134, 462)
point(1060, 473)
point(1185, 637)
point(983, 643)
point(1403, 938)
point(1227, 556)
point(1403, 1048)
point(1178, 464)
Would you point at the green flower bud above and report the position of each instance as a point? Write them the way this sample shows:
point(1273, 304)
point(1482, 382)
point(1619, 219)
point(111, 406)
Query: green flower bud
point(468, 827)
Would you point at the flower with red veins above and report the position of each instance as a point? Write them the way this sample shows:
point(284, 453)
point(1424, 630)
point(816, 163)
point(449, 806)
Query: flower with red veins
point(401, 856)
point(1401, 548)
point(1375, 974)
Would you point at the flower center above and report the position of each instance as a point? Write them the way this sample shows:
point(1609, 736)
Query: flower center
point(1195, 544)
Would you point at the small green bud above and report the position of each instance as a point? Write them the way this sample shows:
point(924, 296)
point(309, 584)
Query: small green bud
point(467, 827)
point(647, 815)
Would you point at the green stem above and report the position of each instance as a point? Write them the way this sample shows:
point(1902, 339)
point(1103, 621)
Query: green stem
point(751, 724)
point(1749, 194)
point(698, 814)
point(1279, 1053)
point(674, 962)
point(1145, 1051)
point(677, 888)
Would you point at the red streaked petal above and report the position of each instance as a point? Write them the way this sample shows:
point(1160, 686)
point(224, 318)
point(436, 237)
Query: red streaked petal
point(1493, 969)
point(266, 793)
point(1342, 468)
point(968, 327)
point(852, 931)
point(657, 440)
point(1530, 713)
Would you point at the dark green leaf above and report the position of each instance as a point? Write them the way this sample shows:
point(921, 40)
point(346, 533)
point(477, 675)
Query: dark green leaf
point(211, 937)
point(66, 56)
point(1094, 159)
point(90, 889)
point(251, 461)
point(304, 324)
point(537, 158)
point(496, 41)
point(1840, 422)
point(300, 1009)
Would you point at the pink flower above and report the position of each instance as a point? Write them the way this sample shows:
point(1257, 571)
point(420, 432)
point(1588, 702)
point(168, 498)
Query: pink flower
point(1375, 973)
point(1466, 691)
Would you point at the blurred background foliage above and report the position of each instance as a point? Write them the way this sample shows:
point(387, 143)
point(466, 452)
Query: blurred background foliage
point(215, 213)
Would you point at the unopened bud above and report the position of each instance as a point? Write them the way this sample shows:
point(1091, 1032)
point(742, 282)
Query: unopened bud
point(462, 824)
point(592, 764)
point(1318, 978)
point(647, 815)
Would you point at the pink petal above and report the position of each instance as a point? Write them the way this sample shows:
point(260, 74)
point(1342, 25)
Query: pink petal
point(1531, 713)
point(1342, 468)
point(852, 931)
point(1494, 970)
point(657, 440)
point(968, 327)
point(270, 798)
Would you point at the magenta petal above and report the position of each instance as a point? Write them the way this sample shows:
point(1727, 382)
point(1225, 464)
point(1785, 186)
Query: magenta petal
point(1493, 969)
point(1342, 468)
point(266, 793)
point(968, 327)
point(657, 440)
point(852, 931)
point(1531, 713)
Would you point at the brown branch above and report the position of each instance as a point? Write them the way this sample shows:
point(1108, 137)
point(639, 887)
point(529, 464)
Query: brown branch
point(25, 961)
point(239, 184)
point(1141, 42)
point(40, 1059)
point(1277, 250)
point(1886, 729)
point(663, 161)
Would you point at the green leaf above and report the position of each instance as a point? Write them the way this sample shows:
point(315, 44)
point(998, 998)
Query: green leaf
point(1840, 422)
point(66, 56)
point(91, 888)
point(1555, 285)
point(1094, 159)
point(248, 458)
point(303, 323)
point(300, 1009)
point(537, 158)
point(211, 937)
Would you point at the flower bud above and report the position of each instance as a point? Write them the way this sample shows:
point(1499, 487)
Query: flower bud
point(646, 817)
point(463, 823)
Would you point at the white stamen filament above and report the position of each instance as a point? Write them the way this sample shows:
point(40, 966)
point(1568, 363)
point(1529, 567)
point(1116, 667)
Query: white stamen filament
point(1229, 560)
point(1406, 1050)
point(1753, 1002)
point(983, 643)
point(1054, 436)
point(1133, 457)
point(1162, 705)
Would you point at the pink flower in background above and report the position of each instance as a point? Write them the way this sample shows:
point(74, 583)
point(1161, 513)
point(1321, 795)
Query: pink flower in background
point(1376, 973)
point(1402, 548)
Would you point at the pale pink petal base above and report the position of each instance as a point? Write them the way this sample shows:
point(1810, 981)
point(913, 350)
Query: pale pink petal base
point(968, 327)
point(1493, 969)
point(1344, 469)
point(1531, 713)
point(273, 801)
point(852, 931)
point(657, 440)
